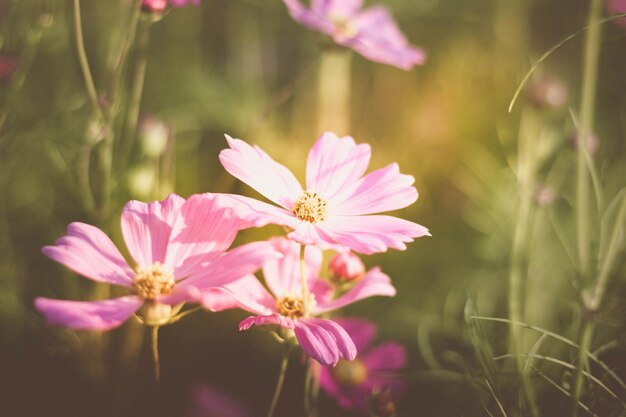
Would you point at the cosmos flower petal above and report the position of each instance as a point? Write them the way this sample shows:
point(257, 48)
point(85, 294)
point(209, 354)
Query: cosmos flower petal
point(204, 229)
point(283, 275)
point(386, 356)
point(381, 40)
point(254, 167)
point(89, 252)
point(312, 234)
point(89, 315)
point(372, 234)
point(361, 331)
point(233, 265)
point(339, 8)
point(314, 19)
point(147, 227)
point(270, 319)
point(324, 340)
point(374, 283)
point(246, 293)
point(379, 191)
point(255, 213)
point(335, 163)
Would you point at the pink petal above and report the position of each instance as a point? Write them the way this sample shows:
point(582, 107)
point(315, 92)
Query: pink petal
point(386, 356)
point(246, 293)
point(361, 331)
point(89, 315)
point(335, 163)
point(283, 275)
point(147, 228)
point(255, 213)
point(88, 251)
point(373, 283)
point(616, 7)
point(379, 39)
point(232, 265)
point(307, 233)
point(382, 190)
point(336, 8)
point(254, 167)
point(372, 234)
point(204, 229)
point(270, 319)
point(324, 340)
point(309, 18)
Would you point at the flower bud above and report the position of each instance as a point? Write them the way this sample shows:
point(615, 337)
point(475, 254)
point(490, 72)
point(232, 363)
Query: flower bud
point(346, 266)
point(548, 92)
point(593, 143)
point(153, 6)
point(153, 136)
point(381, 403)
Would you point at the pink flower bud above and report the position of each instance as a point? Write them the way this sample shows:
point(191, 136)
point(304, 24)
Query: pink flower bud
point(153, 6)
point(346, 266)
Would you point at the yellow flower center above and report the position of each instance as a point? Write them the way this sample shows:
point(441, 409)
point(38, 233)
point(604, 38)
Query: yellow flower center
point(310, 207)
point(344, 27)
point(154, 281)
point(290, 306)
point(350, 373)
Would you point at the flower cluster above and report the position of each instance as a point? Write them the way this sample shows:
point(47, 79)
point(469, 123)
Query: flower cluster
point(179, 249)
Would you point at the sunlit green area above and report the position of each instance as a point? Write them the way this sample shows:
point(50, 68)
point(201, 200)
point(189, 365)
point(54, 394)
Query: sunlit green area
point(499, 191)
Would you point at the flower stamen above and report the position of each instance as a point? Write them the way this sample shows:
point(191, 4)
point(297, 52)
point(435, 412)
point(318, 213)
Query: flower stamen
point(154, 281)
point(310, 207)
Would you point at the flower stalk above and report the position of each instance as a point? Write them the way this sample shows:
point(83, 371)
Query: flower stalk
point(154, 337)
point(280, 381)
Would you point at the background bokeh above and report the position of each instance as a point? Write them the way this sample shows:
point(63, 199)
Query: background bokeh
point(245, 68)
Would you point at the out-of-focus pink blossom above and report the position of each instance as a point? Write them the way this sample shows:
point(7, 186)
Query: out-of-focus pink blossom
point(351, 383)
point(8, 65)
point(371, 32)
point(158, 6)
point(335, 211)
point(322, 339)
point(179, 247)
point(346, 266)
point(549, 92)
point(615, 7)
point(209, 402)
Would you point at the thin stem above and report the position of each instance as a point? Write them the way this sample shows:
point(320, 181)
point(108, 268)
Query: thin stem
point(84, 63)
point(305, 287)
point(279, 383)
point(587, 107)
point(154, 331)
point(307, 388)
point(139, 75)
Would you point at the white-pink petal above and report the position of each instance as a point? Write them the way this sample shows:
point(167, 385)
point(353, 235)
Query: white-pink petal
point(147, 227)
point(89, 252)
point(246, 293)
point(89, 315)
point(379, 191)
point(257, 169)
point(335, 163)
point(373, 234)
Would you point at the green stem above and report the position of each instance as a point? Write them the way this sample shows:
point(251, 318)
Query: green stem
point(587, 107)
point(305, 287)
point(84, 63)
point(154, 332)
point(279, 383)
point(307, 388)
point(139, 75)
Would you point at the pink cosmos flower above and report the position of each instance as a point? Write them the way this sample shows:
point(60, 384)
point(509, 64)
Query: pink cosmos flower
point(324, 340)
point(615, 7)
point(179, 247)
point(351, 383)
point(335, 209)
point(371, 32)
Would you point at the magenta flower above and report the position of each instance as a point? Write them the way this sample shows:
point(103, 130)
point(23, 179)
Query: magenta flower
point(179, 247)
point(335, 209)
point(351, 383)
point(371, 32)
point(324, 340)
point(616, 7)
